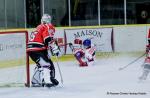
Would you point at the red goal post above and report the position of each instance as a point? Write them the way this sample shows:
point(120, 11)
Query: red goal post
point(14, 60)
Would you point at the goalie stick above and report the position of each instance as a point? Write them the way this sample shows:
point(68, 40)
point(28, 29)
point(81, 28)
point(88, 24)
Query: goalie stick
point(60, 73)
point(70, 45)
point(122, 68)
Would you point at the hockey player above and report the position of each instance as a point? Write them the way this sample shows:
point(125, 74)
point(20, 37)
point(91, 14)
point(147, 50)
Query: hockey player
point(85, 56)
point(40, 43)
point(89, 51)
point(146, 65)
point(79, 53)
point(148, 46)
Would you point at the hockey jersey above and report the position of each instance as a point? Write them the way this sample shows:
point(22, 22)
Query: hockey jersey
point(40, 38)
point(90, 53)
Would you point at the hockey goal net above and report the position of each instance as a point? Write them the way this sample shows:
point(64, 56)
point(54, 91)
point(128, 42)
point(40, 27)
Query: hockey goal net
point(14, 61)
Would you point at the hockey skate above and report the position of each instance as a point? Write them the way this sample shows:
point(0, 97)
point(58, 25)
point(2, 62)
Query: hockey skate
point(142, 78)
point(53, 84)
point(39, 80)
point(36, 85)
point(84, 64)
point(144, 75)
point(146, 68)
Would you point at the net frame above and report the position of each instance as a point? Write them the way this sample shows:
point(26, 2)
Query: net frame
point(27, 82)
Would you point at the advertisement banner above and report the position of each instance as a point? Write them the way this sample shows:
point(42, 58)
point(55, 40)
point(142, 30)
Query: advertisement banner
point(102, 38)
point(12, 46)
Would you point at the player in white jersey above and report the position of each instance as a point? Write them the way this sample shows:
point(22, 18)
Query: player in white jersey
point(89, 50)
point(86, 55)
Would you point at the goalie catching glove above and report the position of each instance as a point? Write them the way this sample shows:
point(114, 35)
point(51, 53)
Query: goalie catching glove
point(54, 48)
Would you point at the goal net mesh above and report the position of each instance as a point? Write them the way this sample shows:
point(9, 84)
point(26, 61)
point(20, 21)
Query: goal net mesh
point(13, 59)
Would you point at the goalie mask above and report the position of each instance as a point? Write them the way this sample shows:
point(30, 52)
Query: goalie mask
point(46, 19)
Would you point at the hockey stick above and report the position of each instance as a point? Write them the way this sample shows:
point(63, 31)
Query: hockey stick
point(71, 47)
point(56, 55)
point(64, 44)
point(122, 68)
point(60, 73)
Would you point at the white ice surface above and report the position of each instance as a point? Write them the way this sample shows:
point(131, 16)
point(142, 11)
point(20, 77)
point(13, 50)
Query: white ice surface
point(91, 82)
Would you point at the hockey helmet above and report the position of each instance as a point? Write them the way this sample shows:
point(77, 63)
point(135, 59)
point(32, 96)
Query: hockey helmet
point(87, 43)
point(46, 18)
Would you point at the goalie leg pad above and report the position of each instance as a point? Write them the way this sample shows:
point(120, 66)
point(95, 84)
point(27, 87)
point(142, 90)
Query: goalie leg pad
point(47, 71)
point(49, 77)
point(46, 75)
point(46, 65)
point(37, 77)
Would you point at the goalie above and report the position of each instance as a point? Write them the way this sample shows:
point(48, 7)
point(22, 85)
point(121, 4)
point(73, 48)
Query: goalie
point(40, 43)
point(86, 55)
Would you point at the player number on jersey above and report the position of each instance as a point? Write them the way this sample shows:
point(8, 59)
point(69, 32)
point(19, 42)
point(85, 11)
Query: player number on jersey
point(32, 35)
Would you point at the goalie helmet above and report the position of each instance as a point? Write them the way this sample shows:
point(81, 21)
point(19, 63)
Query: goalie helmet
point(87, 43)
point(46, 18)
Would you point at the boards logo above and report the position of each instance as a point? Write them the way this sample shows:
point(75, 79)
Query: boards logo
point(88, 33)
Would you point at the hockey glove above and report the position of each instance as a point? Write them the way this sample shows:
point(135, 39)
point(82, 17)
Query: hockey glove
point(56, 51)
point(54, 48)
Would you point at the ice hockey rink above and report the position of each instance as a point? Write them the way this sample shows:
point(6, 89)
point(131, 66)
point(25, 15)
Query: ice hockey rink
point(103, 80)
